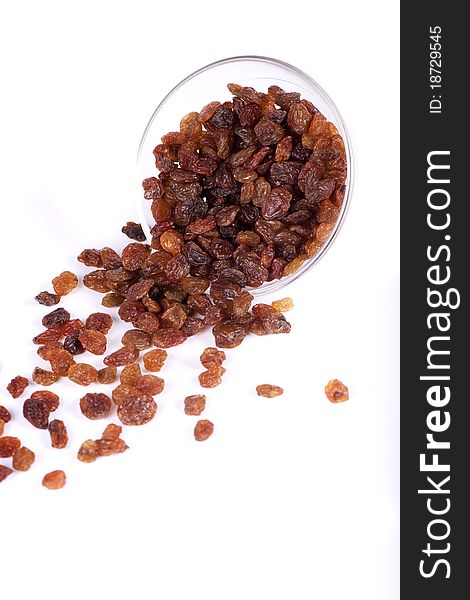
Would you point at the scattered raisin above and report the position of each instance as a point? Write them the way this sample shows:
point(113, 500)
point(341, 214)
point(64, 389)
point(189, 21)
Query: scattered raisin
point(23, 458)
point(64, 283)
point(5, 415)
point(90, 258)
point(49, 398)
point(49, 335)
point(61, 360)
point(107, 375)
point(211, 357)
point(55, 480)
point(17, 386)
point(123, 356)
point(82, 374)
point(154, 360)
point(212, 377)
point(283, 305)
point(137, 409)
point(44, 377)
point(203, 430)
point(47, 299)
point(134, 231)
point(269, 391)
point(8, 445)
point(93, 341)
point(150, 385)
point(99, 322)
point(88, 451)
point(58, 433)
point(169, 337)
point(95, 406)
point(194, 405)
point(56, 318)
point(135, 337)
point(131, 373)
point(4, 472)
point(336, 391)
point(36, 411)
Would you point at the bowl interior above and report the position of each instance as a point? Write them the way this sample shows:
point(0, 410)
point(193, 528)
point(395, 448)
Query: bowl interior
point(210, 83)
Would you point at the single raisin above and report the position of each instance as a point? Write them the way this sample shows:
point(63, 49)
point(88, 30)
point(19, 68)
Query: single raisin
point(36, 411)
point(169, 337)
point(44, 377)
point(123, 356)
point(49, 398)
point(134, 231)
point(283, 305)
point(58, 433)
point(100, 322)
point(88, 451)
point(4, 472)
point(211, 357)
point(56, 318)
point(150, 385)
point(336, 391)
point(135, 337)
point(212, 377)
point(203, 430)
point(17, 386)
point(55, 480)
point(64, 283)
point(82, 374)
point(269, 391)
point(155, 359)
point(90, 257)
point(194, 405)
point(49, 335)
point(95, 406)
point(8, 445)
point(5, 415)
point(137, 409)
point(47, 299)
point(23, 458)
point(93, 341)
point(107, 375)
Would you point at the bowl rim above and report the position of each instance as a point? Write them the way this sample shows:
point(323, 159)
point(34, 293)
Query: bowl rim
point(277, 284)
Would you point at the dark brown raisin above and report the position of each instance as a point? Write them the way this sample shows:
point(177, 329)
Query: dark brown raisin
point(58, 433)
point(5, 415)
point(4, 472)
point(134, 231)
point(100, 322)
point(95, 406)
point(36, 411)
point(47, 299)
point(56, 318)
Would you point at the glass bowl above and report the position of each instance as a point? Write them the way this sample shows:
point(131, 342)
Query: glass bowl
point(210, 83)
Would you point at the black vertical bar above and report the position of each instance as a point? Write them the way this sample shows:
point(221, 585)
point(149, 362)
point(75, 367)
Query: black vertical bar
point(434, 120)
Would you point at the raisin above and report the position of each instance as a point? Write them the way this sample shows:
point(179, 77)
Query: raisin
point(136, 337)
point(100, 322)
point(73, 345)
point(95, 406)
point(49, 335)
point(137, 409)
point(36, 411)
point(108, 447)
point(268, 132)
point(112, 300)
point(229, 335)
point(96, 281)
point(8, 445)
point(111, 432)
point(4, 472)
point(58, 433)
point(88, 451)
point(134, 231)
point(64, 283)
point(107, 375)
point(61, 360)
point(44, 377)
point(134, 256)
point(269, 391)
point(56, 318)
point(23, 458)
point(82, 374)
point(123, 356)
point(155, 359)
point(130, 310)
point(277, 204)
point(194, 405)
point(47, 299)
point(131, 373)
point(203, 430)
point(211, 357)
point(283, 305)
point(90, 257)
point(49, 398)
point(295, 264)
point(55, 480)
point(147, 322)
point(121, 392)
point(150, 385)
point(17, 386)
point(336, 391)
point(5, 415)
point(212, 377)
point(2, 426)
point(283, 149)
point(93, 341)
point(167, 338)
point(273, 320)
point(72, 326)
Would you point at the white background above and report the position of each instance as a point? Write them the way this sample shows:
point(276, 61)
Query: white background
point(292, 498)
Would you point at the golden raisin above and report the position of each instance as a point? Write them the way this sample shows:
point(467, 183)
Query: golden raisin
point(82, 374)
point(150, 384)
point(130, 373)
point(283, 305)
point(64, 283)
point(155, 359)
point(23, 458)
point(107, 375)
point(269, 391)
point(55, 480)
point(93, 341)
point(212, 357)
point(336, 391)
point(44, 377)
